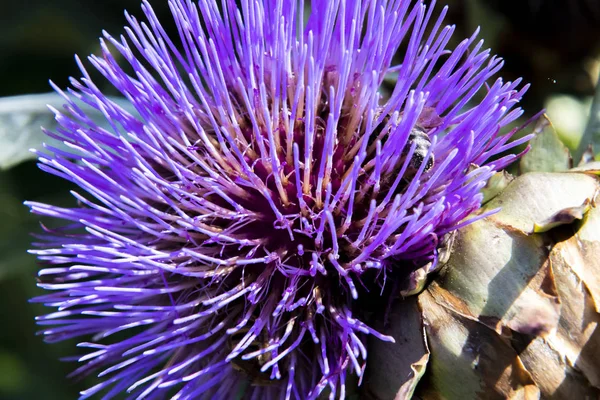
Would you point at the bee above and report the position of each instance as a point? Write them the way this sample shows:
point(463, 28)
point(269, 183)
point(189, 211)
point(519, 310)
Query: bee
point(417, 136)
point(422, 142)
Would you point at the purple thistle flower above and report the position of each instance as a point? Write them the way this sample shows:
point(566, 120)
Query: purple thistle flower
point(233, 222)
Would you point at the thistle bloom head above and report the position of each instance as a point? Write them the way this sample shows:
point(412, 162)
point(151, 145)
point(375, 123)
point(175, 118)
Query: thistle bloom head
point(262, 184)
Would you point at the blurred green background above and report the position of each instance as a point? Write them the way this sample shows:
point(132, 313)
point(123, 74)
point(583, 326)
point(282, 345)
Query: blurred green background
point(552, 44)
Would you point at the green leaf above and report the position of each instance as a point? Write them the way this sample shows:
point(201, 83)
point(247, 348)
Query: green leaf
point(21, 119)
point(548, 153)
point(537, 197)
point(495, 185)
point(395, 369)
point(500, 277)
point(591, 135)
point(416, 281)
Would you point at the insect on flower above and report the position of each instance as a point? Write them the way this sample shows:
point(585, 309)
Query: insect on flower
point(423, 144)
point(421, 152)
point(236, 219)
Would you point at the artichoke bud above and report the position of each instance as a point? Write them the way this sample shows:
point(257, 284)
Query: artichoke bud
point(513, 312)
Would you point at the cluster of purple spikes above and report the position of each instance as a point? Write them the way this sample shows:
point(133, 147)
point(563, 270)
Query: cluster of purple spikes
point(230, 222)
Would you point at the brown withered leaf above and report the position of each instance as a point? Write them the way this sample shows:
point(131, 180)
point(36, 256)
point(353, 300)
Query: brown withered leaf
point(577, 338)
point(416, 281)
point(588, 242)
point(468, 360)
point(576, 265)
point(501, 278)
point(581, 252)
point(555, 378)
point(394, 369)
point(592, 168)
point(589, 228)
